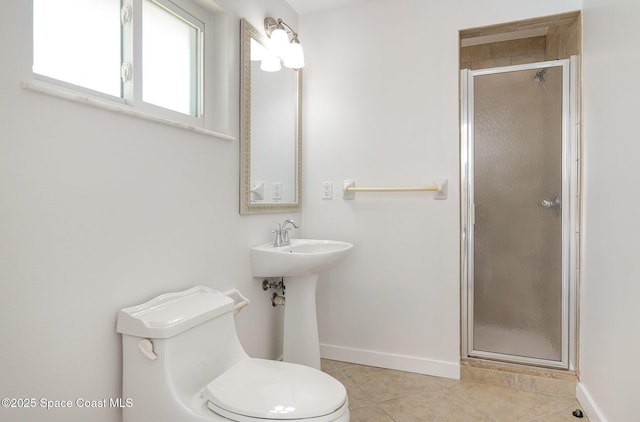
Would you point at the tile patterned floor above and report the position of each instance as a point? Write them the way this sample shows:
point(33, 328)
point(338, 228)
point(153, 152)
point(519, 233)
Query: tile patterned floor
point(384, 395)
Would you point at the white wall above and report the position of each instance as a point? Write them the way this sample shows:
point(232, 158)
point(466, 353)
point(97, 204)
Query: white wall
point(99, 211)
point(610, 379)
point(381, 107)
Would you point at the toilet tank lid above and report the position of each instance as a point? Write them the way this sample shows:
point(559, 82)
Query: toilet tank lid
point(172, 313)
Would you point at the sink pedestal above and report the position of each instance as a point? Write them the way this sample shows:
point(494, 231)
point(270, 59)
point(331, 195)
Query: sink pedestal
point(299, 263)
point(301, 343)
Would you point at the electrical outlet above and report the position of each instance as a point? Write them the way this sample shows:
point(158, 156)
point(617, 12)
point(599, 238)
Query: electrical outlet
point(327, 190)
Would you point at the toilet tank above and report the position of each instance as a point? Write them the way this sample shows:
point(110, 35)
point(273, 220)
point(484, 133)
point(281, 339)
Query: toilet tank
point(173, 313)
point(178, 342)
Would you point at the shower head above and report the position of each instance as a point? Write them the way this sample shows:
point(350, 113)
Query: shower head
point(539, 76)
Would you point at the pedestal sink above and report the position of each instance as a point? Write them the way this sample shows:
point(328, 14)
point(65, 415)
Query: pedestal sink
point(299, 263)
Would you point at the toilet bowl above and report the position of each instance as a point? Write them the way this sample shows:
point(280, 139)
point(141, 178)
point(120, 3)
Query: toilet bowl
point(183, 362)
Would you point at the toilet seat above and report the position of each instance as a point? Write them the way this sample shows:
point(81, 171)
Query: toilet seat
point(271, 390)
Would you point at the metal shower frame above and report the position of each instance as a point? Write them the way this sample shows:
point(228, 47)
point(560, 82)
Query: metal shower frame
point(570, 212)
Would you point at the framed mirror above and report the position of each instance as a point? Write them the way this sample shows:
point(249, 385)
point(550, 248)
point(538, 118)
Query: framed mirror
point(270, 131)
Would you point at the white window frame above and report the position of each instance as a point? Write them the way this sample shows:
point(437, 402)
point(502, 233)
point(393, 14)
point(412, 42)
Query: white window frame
point(132, 53)
point(212, 72)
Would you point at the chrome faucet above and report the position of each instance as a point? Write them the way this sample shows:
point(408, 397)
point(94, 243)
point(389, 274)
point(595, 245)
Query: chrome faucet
point(282, 233)
point(277, 242)
point(284, 230)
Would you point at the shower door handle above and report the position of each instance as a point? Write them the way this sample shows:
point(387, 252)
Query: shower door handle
point(553, 203)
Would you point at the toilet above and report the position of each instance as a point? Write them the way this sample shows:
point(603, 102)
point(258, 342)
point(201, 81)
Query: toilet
point(183, 362)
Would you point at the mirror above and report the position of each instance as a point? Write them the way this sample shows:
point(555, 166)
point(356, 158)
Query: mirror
point(269, 131)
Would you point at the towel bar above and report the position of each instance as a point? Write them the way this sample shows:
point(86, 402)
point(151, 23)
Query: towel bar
point(440, 188)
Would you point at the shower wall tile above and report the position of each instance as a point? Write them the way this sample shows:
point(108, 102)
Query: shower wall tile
point(562, 40)
point(523, 46)
point(505, 53)
point(553, 44)
point(572, 40)
point(475, 52)
point(530, 58)
point(485, 64)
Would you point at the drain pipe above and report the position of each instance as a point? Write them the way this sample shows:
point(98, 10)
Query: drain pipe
point(277, 300)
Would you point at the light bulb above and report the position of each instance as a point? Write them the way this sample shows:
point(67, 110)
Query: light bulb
point(279, 41)
point(294, 56)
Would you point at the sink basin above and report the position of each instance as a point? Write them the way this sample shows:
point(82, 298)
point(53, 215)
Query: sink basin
point(302, 257)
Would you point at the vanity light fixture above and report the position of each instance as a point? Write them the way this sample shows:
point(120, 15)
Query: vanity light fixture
point(281, 47)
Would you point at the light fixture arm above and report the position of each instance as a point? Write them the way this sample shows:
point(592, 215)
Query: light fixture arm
point(271, 24)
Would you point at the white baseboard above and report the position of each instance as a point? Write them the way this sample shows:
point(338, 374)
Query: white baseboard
point(588, 404)
point(392, 361)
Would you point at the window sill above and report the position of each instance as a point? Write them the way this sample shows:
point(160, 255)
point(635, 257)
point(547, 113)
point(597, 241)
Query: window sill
point(44, 88)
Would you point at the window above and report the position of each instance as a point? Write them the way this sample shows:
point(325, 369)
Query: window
point(144, 53)
point(170, 60)
point(78, 41)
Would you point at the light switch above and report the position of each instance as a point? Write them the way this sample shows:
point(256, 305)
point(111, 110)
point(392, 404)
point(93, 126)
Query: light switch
point(327, 190)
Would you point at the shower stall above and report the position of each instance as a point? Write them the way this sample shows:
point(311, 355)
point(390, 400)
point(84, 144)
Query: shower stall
point(519, 175)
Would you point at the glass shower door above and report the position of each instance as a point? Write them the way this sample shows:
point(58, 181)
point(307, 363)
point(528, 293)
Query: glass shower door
point(516, 189)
